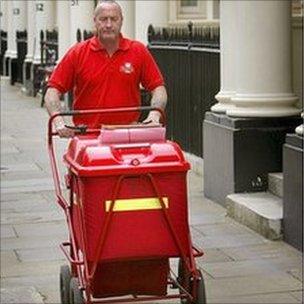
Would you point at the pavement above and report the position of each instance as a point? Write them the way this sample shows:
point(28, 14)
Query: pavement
point(239, 266)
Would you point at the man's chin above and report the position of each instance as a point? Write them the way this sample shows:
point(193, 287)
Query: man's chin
point(108, 36)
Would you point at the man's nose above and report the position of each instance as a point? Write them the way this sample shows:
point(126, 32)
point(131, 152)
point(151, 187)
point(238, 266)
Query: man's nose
point(109, 23)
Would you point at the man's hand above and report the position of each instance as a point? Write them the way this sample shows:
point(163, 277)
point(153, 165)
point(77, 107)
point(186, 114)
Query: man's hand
point(62, 130)
point(153, 118)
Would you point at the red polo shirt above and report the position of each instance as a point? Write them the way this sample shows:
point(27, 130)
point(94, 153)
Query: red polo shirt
point(99, 81)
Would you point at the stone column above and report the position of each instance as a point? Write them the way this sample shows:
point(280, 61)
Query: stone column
point(263, 66)
point(63, 25)
point(128, 10)
point(31, 20)
point(10, 37)
point(4, 15)
point(45, 13)
point(149, 12)
point(4, 21)
point(81, 17)
point(243, 143)
point(16, 22)
point(212, 7)
point(31, 14)
point(228, 59)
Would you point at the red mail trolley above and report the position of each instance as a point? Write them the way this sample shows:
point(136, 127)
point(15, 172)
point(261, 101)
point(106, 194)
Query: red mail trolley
point(127, 215)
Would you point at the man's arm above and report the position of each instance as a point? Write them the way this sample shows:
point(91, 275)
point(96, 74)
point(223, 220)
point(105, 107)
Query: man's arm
point(159, 100)
point(52, 103)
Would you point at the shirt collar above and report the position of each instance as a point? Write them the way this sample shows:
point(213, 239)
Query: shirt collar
point(96, 45)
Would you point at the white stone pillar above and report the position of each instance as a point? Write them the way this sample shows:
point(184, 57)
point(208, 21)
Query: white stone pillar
point(4, 15)
point(4, 21)
point(45, 20)
point(149, 12)
point(128, 10)
point(228, 59)
point(212, 8)
point(263, 65)
point(18, 23)
point(31, 14)
point(63, 25)
point(10, 37)
point(81, 17)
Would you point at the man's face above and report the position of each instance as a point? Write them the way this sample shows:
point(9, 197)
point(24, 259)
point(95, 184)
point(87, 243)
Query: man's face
point(108, 22)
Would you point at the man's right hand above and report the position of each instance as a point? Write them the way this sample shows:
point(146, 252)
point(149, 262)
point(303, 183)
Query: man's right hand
point(63, 131)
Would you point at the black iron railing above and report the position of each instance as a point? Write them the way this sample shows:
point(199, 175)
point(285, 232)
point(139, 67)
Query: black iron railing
point(21, 40)
point(189, 60)
point(49, 47)
point(186, 35)
point(84, 35)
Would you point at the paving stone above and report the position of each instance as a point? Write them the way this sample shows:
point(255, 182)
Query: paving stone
point(20, 295)
point(249, 268)
point(27, 182)
point(252, 285)
point(38, 205)
point(213, 255)
point(7, 231)
point(256, 299)
point(221, 229)
point(8, 258)
point(30, 196)
point(37, 280)
point(41, 254)
point(10, 176)
point(27, 189)
point(31, 217)
point(9, 149)
point(239, 240)
point(41, 229)
point(34, 268)
point(269, 249)
point(30, 242)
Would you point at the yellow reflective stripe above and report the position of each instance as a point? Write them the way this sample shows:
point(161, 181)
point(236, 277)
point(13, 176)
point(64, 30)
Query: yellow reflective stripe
point(134, 204)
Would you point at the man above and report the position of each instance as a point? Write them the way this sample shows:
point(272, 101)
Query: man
point(105, 72)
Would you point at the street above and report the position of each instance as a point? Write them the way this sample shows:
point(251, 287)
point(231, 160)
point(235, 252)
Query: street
point(239, 265)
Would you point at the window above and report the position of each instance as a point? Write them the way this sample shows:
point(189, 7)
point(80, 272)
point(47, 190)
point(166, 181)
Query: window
point(191, 9)
point(297, 8)
point(195, 10)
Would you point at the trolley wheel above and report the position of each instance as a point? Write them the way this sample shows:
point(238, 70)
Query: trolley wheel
point(76, 295)
point(185, 279)
point(65, 278)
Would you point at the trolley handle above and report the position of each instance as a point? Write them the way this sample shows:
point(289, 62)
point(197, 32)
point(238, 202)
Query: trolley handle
point(82, 129)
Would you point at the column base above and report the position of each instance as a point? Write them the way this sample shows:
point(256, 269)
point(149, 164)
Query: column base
point(28, 86)
point(13, 70)
point(240, 152)
point(264, 105)
point(224, 103)
point(293, 190)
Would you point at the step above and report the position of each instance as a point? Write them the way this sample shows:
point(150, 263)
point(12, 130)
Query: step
point(261, 211)
point(275, 183)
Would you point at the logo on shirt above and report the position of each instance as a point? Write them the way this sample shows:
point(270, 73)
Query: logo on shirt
point(127, 68)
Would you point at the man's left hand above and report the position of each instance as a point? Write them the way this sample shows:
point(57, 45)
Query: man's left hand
point(153, 118)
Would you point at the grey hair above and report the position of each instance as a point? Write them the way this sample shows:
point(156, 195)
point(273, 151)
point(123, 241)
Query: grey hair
point(101, 2)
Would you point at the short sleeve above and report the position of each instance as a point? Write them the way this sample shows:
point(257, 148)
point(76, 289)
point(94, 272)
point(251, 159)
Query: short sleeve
point(151, 76)
point(64, 73)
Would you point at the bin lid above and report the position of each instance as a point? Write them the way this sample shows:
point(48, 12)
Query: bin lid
point(124, 151)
